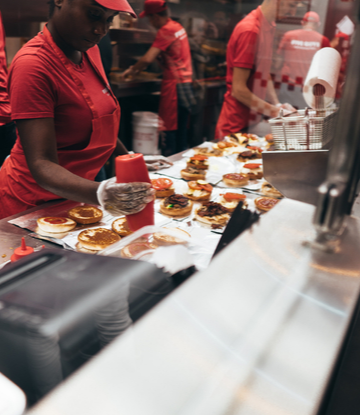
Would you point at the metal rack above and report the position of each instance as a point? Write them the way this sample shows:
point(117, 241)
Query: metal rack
point(307, 130)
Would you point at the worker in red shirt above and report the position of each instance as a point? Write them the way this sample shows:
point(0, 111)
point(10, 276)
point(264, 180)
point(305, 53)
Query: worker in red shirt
point(7, 128)
point(171, 46)
point(294, 56)
point(66, 115)
point(249, 60)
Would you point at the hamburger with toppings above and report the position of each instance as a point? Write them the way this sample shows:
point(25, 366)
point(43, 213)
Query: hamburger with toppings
point(212, 213)
point(198, 190)
point(176, 205)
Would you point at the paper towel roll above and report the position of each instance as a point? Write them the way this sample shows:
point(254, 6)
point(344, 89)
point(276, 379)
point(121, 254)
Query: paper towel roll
point(324, 70)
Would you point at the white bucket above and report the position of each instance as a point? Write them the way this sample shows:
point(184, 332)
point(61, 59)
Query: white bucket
point(145, 132)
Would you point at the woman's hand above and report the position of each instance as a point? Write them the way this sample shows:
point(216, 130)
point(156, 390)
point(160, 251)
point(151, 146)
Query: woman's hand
point(124, 198)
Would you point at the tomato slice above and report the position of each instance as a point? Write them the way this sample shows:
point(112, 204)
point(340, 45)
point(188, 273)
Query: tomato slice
point(199, 186)
point(207, 187)
point(161, 184)
point(229, 197)
point(199, 157)
point(255, 148)
point(252, 166)
point(194, 185)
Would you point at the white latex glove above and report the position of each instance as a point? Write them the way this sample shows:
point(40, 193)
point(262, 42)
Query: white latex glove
point(124, 198)
point(154, 163)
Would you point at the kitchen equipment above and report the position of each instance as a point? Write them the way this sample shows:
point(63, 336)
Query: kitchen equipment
point(306, 131)
point(58, 308)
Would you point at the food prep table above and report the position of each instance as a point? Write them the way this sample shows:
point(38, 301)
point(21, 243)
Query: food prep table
point(255, 333)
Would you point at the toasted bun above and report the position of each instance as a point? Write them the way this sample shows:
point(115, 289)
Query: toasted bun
point(56, 224)
point(184, 211)
point(164, 239)
point(235, 179)
point(197, 164)
point(256, 173)
point(206, 152)
point(97, 239)
point(268, 190)
point(265, 203)
point(80, 248)
point(269, 138)
point(192, 176)
point(85, 214)
point(121, 227)
point(254, 156)
point(165, 192)
point(231, 206)
point(133, 249)
point(213, 220)
point(198, 197)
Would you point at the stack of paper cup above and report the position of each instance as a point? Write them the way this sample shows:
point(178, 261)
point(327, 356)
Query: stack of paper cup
point(324, 70)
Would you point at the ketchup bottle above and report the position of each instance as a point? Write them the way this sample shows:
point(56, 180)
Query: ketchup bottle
point(132, 168)
point(22, 251)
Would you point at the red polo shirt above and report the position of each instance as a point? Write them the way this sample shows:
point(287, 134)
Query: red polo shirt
point(297, 48)
point(41, 87)
point(5, 112)
point(175, 55)
point(249, 47)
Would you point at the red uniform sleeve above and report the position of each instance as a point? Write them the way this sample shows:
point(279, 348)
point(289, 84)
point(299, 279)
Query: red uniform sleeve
point(245, 50)
point(32, 94)
point(163, 39)
point(325, 42)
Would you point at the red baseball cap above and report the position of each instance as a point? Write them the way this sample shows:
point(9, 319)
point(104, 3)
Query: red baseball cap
point(118, 5)
point(311, 17)
point(153, 7)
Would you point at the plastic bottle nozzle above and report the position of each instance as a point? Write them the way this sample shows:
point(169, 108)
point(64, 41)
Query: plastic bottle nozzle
point(22, 251)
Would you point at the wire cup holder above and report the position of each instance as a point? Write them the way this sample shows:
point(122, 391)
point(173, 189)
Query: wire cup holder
point(309, 129)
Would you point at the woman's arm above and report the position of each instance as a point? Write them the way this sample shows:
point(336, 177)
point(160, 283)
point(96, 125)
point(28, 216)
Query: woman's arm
point(38, 140)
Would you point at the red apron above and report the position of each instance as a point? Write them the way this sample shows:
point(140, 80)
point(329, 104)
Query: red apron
point(168, 108)
point(19, 191)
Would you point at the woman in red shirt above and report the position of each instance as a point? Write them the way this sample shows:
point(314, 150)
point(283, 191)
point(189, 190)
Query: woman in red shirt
point(66, 115)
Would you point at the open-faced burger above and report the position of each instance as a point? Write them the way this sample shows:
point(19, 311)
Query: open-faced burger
point(163, 186)
point(231, 200)
point(198, 190)
point(176, 205)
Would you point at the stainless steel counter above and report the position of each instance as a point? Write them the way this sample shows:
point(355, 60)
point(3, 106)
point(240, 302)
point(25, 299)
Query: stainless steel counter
point(10, 236)
point(257, 333)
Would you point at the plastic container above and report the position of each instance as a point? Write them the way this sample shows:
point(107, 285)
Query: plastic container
point(145, 236)
point(132, 168)
point(145, 132)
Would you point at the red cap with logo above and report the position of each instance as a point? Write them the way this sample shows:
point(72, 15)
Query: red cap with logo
point(153, 7)
point(311, 17)
point(118, 5)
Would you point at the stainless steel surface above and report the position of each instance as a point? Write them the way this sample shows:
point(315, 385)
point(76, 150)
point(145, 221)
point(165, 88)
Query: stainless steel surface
point(307, 131)
point(257, 333)
point(297, 174)
point(338, 192)
point(10, 235)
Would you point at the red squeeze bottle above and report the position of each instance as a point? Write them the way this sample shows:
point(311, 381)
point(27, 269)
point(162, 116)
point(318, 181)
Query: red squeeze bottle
point(22, 251)
point(132, 168)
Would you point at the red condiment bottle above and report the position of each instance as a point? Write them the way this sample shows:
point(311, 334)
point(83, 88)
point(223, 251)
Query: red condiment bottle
point(22, 251)
point(132, 168)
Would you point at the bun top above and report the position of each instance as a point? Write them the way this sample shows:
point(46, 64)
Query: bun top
point(85, 212)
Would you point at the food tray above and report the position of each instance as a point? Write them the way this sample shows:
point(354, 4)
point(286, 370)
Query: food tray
point(306, 131)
